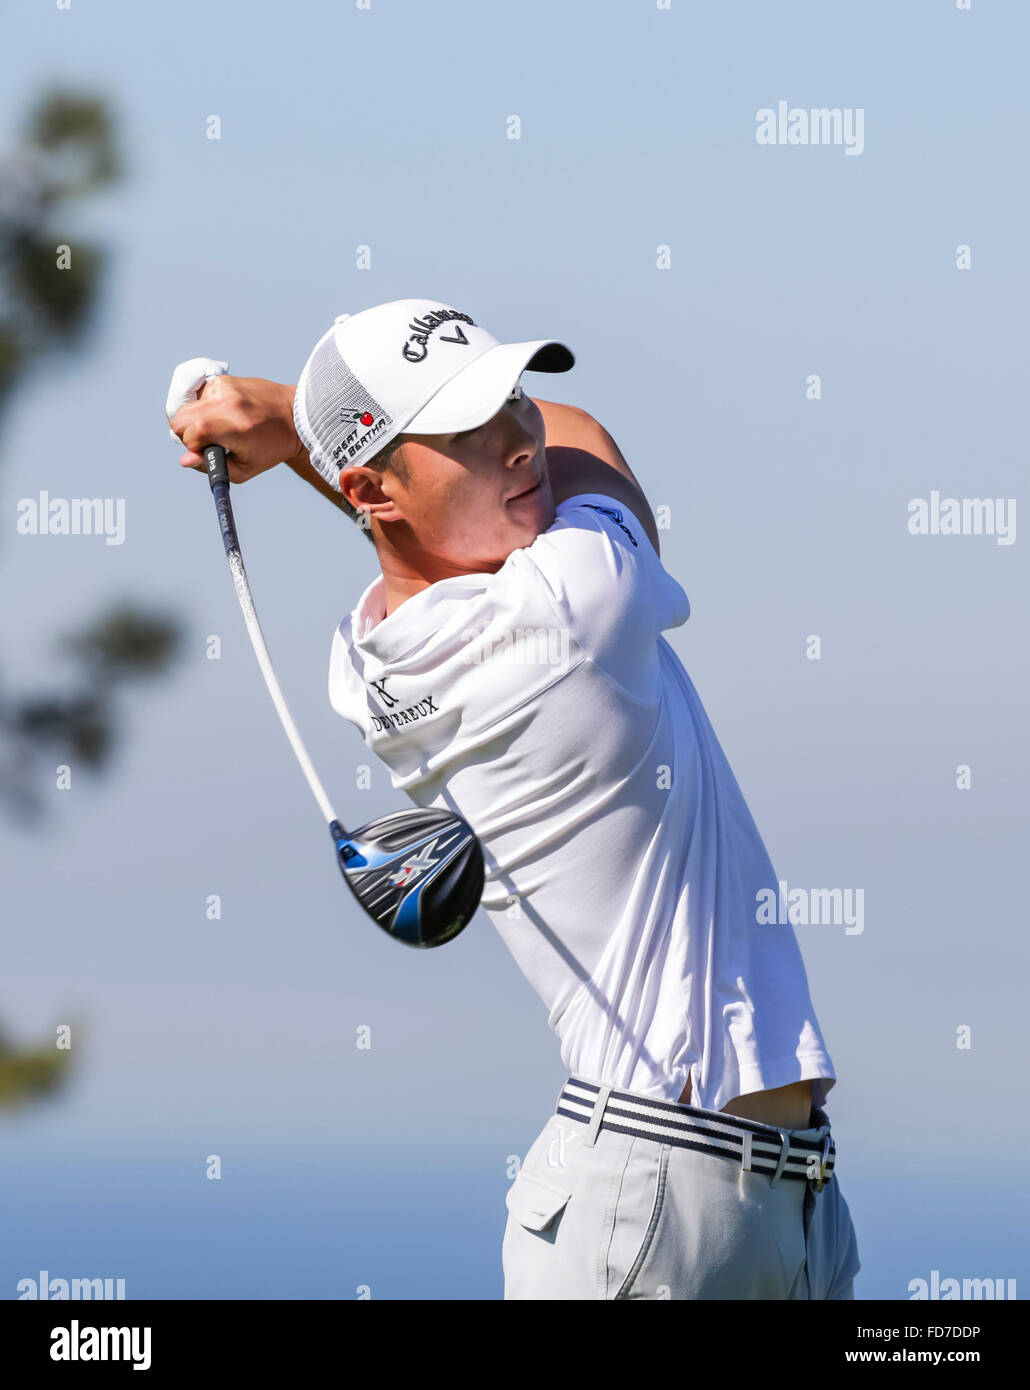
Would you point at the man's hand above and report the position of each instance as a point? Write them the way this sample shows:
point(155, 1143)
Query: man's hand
point(250, 417)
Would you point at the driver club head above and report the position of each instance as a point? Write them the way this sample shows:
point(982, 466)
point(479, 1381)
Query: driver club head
point(417, 873)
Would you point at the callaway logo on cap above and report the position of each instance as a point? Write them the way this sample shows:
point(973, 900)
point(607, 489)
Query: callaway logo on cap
point(413, 365)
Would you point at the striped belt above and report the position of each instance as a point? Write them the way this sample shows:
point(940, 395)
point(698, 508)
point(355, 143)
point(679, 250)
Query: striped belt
point(756, 1147)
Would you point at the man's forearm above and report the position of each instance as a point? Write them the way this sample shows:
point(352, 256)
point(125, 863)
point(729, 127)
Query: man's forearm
point(567, 427)
point(301, 464)
point(572, 434)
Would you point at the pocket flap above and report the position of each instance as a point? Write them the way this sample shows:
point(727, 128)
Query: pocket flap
point(533, 1202)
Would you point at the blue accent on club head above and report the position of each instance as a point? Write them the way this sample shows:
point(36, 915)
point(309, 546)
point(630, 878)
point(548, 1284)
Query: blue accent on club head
point(407, 921)
point(365, 858)
point(377, 876)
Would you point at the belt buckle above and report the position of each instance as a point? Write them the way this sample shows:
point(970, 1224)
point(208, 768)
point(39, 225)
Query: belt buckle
point(818, 1177)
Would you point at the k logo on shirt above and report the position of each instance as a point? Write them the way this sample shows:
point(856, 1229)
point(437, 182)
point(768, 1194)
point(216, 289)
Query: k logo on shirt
point(380, 689)
point(382, 722)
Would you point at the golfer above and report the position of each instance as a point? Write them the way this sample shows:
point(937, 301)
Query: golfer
point(508, 664)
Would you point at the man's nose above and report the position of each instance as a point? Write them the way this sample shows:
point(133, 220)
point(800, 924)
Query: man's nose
point(520, 443)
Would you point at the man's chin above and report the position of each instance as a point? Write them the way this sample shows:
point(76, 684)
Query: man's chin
point(535, 515)
point(529, 522)
point(533, 527)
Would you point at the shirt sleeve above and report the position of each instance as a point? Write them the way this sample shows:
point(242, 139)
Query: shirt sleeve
point(608, 586)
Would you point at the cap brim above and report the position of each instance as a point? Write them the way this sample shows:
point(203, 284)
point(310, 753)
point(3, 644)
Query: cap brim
point(476, 394)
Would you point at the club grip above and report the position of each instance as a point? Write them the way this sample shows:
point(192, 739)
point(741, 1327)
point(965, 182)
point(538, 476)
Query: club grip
point(217, 468)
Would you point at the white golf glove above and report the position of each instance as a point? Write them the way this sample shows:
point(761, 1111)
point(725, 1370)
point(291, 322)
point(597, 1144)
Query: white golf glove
point(187, 379)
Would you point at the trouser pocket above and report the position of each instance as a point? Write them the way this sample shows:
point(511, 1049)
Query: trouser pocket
point(537, 1205)
point(637, 1215)
point(561, 1213)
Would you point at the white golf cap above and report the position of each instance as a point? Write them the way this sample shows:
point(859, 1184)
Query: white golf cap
point(411, 366)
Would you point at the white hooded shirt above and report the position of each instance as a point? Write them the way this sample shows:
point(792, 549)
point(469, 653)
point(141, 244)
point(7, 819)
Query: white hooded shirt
point(623, 868)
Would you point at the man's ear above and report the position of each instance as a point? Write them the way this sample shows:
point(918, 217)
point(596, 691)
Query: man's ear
point(362, 489)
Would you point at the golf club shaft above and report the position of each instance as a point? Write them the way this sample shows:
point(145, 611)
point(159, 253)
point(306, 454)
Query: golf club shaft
point(218, 476)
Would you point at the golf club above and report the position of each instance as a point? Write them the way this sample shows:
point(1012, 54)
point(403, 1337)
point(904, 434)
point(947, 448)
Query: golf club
point(418, 873)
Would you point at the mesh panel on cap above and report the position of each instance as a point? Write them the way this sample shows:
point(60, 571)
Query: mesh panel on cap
point(330, 403)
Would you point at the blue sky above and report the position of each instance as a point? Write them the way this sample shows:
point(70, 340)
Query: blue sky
point(386, 128)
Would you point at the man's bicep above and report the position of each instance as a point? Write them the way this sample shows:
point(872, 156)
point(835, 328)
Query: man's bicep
point(608, 586)
point(583, 457)
point(575, 471)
